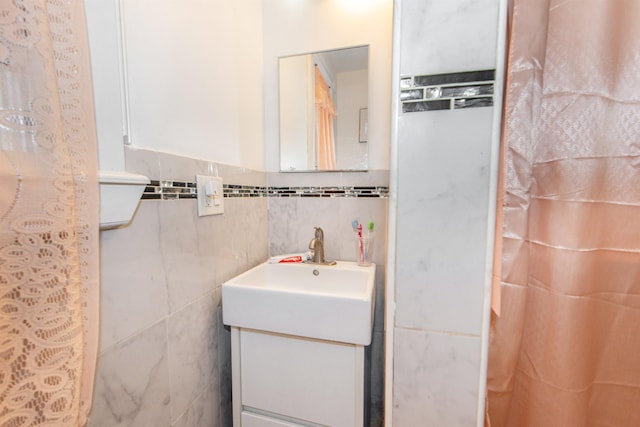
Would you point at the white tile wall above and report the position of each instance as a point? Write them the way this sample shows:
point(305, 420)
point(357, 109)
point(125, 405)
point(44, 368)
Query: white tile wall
point(132, 385)
point(162, 344)
point(436, 376)
point(134, 269)
point(444, 36)
point(203, 409)
point(292, 221)
point(442, 219)
point(193, 357)
point(188, 271)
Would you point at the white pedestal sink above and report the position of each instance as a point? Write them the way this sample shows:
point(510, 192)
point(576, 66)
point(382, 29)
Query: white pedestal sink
point(298, 335)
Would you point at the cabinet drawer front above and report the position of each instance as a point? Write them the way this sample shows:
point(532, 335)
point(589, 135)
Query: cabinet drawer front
point(255, 420)
point(316, 381)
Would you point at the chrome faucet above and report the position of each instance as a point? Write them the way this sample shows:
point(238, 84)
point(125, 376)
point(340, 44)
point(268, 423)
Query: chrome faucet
point(317, 248)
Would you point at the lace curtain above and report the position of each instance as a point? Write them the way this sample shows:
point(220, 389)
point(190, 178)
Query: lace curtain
point(565, 349)
point(48, 215)
point(325, 113)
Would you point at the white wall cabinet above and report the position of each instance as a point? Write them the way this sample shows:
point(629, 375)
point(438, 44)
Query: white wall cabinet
point(282, 380)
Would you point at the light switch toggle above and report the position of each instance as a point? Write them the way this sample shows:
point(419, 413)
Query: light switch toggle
point(210, 195)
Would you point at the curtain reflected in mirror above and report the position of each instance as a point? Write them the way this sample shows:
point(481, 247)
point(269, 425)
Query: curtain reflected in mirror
point(322, 96)
point(325, 114)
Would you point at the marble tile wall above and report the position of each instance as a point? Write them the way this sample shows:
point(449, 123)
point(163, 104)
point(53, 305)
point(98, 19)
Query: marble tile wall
point(442, 223)
point(447, 36)
point(291, 228)
point(439, 386)
point(164, 353)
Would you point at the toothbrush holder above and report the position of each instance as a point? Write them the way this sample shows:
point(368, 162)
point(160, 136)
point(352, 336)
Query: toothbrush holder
point(364, 249)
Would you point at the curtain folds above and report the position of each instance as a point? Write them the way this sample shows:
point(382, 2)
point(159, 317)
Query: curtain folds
point(564, 350)
point(325, 113)
point(48, 215)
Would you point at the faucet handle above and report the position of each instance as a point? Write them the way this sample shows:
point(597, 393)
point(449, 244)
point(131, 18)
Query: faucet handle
point(319, 233)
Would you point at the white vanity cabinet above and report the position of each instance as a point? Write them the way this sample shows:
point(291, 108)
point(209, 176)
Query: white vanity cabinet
point(298, 335)
point(283, 380)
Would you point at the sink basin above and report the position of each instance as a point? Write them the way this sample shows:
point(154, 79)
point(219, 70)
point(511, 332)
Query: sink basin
point(332, 303)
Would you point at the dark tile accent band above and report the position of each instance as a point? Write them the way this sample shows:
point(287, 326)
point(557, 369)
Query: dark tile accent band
point(169, 190)
point(473, 102)
point(452, 78)
point(174, 190)
point(470, 89)
point(411, 107)
point(232, 190)
point(341, 191)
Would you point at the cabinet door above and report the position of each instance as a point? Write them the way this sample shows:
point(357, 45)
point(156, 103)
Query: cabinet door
point(316, 381)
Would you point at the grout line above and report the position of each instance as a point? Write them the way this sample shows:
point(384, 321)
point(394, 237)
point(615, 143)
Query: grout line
point(439, 332)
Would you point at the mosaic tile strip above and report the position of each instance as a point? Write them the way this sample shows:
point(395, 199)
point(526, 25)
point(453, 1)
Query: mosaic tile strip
point(452, 91)
point(452, 78)
point(231, 190)
point(174, 190)
point(169, 190)
point(341, 191)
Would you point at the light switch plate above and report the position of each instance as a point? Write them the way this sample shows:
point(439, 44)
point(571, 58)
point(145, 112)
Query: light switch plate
point(210, 195)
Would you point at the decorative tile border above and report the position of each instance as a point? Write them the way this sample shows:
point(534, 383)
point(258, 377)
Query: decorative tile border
point(340, 191)
point(232, 190)
point(173, 190)
point(452, 91)
point(169, 190)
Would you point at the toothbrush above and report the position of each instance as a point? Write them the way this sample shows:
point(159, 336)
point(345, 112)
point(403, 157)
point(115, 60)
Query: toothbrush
point(369, 237)
point(361, 252)
point(355, 224)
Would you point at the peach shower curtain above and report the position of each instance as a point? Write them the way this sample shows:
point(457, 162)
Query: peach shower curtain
point(325, 112)
point(565, 348)
point(48, 215)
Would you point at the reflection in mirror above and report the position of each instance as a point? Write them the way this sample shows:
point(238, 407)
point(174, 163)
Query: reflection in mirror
point(323, 110)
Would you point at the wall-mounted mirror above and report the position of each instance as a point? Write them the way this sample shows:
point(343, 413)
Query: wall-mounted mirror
point(323, 110)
